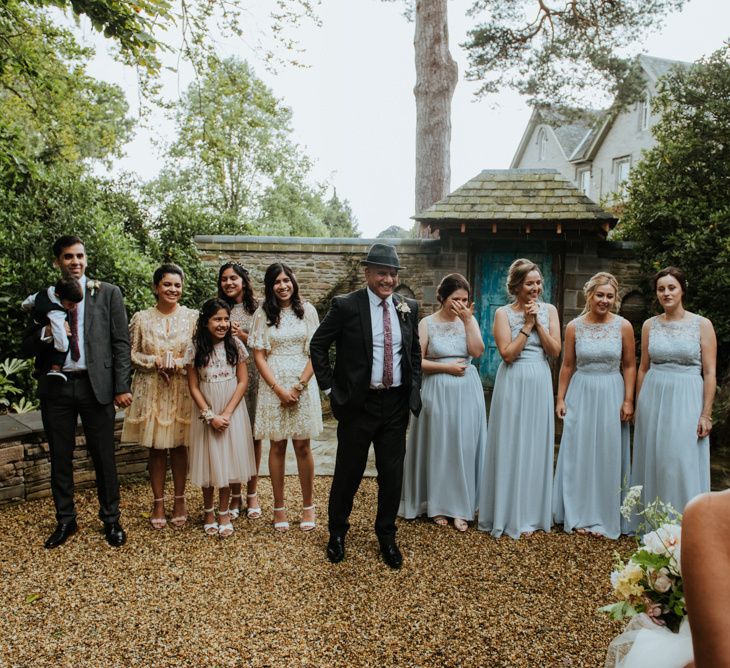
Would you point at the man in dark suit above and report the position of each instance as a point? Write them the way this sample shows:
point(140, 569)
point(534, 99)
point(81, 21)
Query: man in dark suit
point(375, 381)
point(98, 369)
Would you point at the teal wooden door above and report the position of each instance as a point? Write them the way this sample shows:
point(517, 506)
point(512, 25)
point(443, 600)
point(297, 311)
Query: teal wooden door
point(490, 278)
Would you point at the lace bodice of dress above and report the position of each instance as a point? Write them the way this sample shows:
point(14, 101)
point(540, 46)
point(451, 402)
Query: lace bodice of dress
point(598, 346)
point(446, 340)
point(218, 369)
point(533, 348)
point(240, 315)
point(675, 345)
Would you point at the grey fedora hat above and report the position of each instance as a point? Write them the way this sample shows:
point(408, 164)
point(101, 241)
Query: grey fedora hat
point(383, 255)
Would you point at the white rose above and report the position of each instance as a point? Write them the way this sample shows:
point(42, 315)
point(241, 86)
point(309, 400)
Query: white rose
point(662, 582)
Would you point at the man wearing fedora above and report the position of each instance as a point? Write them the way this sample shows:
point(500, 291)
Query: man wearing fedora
point(376, 380)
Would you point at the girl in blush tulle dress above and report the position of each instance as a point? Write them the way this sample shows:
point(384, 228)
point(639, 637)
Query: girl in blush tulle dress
point(221, 444)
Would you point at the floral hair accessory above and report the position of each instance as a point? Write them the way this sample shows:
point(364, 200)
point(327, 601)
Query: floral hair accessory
point(93, 285)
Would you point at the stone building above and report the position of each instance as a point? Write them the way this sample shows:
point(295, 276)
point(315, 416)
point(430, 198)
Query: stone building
point(595, 156)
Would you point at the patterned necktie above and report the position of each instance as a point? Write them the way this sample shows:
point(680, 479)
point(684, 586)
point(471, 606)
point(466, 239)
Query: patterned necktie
point(73, 320)
point(387, 346)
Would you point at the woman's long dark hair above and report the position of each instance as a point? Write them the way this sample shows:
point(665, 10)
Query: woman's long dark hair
point(203, 341)
point(271, 303)
point(249, 299)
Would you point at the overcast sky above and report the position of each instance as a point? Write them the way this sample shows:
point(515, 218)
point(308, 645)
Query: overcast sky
point(353, 105)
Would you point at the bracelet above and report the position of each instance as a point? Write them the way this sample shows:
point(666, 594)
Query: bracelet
point(707, 417)
point(522, 331)
point(207, 415)
point(273, 385)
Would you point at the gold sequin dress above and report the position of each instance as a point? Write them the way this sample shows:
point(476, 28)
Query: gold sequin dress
point(159, 416)
point(287, 353)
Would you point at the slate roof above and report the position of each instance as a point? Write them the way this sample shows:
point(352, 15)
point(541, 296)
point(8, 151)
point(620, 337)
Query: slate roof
point(528, 195)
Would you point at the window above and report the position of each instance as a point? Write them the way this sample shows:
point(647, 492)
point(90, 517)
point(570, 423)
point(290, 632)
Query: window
point(621, 167)
point(542, 141)
point(644, 111)
point(584, 181)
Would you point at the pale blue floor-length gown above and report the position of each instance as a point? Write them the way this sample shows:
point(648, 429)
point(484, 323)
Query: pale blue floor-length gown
point(515, 486)
point(670, 461)
point(594, 458)
point(446, 441)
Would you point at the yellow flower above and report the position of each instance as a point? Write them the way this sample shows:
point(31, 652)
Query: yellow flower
point(626, 582)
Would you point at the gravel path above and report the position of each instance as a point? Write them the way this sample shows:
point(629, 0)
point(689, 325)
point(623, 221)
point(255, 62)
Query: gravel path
point(259, 598)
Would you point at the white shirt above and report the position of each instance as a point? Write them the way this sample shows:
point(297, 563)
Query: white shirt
point(376, 319)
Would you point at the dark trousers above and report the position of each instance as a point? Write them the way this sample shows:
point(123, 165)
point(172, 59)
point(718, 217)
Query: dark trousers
point(382, 420)
point(61, 405)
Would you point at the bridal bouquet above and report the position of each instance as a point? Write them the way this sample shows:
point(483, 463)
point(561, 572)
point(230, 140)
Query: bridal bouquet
point(651, 580)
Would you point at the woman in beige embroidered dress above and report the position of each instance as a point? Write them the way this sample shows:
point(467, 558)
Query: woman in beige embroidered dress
point(159, 417)
point(234, 288)
point(288, 404)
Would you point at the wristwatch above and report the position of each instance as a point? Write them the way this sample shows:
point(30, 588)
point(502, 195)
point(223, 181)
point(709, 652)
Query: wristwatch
point(300, 386)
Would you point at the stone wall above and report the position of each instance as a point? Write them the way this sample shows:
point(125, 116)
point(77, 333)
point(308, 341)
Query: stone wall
point(328, 267)
point(25, 467)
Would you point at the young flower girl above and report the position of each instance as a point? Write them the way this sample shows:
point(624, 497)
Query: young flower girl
point(221, 444)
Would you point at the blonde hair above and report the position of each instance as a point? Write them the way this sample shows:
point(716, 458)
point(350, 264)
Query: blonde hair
point(596, 281)
point(517, 273)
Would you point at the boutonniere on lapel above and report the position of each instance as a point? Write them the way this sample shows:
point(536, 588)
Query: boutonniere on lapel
point(403, 309)
point(92, 285)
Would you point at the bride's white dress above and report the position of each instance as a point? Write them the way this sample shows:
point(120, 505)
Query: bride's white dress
point(643, 644)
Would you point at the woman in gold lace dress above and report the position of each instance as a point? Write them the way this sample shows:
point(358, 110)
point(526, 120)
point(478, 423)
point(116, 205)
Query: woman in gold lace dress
point(159, 417)
point(234, 287)
point(288, 404)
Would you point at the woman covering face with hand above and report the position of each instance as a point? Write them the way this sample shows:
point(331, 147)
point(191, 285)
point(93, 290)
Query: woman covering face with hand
point(596, 402)
point(515, 486)
point(446, 441)
point(675, 389)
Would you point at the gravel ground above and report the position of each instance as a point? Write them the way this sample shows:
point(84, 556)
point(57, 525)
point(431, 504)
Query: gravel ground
point(177, 598)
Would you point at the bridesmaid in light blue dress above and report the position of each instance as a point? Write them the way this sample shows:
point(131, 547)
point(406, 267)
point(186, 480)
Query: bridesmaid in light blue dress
point(594, 458)
point(515, 486)
point(675, 390)
point(446, 441)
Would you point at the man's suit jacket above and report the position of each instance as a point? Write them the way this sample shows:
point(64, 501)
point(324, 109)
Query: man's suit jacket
point(106, 344)
point(348, 325)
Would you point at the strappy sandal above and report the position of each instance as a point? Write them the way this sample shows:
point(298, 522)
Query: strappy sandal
point(252, 513)
point(158, 522)
point(308, 525)
point(179, 521)
point(460, 525)
point(225, 529)
point(210, 528)
point(440, 520)
point(282, 525)
point(234, 512)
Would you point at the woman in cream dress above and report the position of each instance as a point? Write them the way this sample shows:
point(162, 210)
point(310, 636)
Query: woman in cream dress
point(159, 417)
point(288, 404)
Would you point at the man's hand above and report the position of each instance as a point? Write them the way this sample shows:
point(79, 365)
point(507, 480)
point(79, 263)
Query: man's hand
point(123, 400)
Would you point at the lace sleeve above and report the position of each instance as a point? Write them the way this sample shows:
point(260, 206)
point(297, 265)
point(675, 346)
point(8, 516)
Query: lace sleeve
point(242, 352)
point(258, 337)
point(312, 319)
point(188, 358)
point(140, 359)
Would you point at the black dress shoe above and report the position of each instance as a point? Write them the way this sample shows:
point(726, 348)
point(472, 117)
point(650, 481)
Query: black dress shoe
point(391, 555)
point(336, 549)
point(62, 532)
point(114, 533)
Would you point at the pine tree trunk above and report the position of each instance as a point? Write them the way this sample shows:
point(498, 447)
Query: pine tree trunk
point(436, 77)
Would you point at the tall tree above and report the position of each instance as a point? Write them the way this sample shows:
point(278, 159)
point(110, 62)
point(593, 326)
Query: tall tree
point(553, 52)
point(436, 77)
